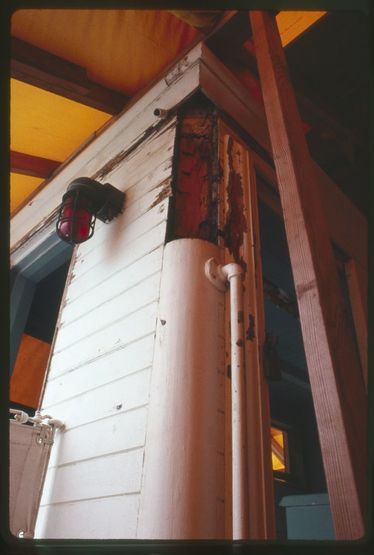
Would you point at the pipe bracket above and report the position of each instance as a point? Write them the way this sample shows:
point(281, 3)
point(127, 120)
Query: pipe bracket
point(215, 274)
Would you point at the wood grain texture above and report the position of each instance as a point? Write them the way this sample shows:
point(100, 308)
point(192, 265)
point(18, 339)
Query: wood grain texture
point(334, 369)
point(357, 286)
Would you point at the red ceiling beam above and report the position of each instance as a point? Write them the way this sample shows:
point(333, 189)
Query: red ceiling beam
point(49, 72)
point(334, 368)
point(34, 166)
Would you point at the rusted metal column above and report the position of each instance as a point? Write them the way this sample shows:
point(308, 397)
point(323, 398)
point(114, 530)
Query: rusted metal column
point(334, 368)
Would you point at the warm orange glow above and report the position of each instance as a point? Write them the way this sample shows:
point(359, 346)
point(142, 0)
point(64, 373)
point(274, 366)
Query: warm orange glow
point(21, 186)
point(277, 436)
point(292, 23)
point(278, 455)
point(48, 125)
point(29, 369)
point(276, 463)
point(120, 49)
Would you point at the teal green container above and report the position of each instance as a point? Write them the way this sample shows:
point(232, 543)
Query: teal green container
point(308, 517)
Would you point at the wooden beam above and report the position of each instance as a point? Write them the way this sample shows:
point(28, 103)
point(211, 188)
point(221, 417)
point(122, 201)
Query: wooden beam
point(334, 369)
point(313, 115)
point(357, 287)
point(352, 239)
point(234, 33)
point(49, 72)
point(34, 166)
point(233, 98)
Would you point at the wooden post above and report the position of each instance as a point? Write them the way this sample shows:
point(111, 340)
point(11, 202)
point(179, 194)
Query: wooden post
point(357, 287)
point(334, 370)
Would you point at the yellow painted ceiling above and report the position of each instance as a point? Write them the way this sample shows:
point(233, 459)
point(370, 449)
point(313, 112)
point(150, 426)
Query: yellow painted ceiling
point(48, 125)
point(21, 186)
point(121, 49)
point(291, 24)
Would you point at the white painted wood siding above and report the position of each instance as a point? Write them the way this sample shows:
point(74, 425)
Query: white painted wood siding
point(99, 372)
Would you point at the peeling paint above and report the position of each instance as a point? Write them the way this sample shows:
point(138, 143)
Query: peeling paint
point(165, 192)
point(250, 333)
point(236, 223)
point(304, 288)
point(195, 207)
point(109, 166)
point(39, 228)
point(178, 71)
point(280, 298)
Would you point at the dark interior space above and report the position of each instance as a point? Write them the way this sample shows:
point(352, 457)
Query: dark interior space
point(42, 318)
point(291, 403)
point(33, 351)
point(329, 66)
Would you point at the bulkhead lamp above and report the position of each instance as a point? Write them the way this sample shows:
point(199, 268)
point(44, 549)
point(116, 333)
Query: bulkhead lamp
point(84, 201)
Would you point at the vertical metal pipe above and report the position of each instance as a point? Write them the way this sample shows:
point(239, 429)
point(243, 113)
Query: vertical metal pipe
point(219, 276)
point(239, 447)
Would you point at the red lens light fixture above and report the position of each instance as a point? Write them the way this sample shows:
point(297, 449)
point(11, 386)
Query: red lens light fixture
point(84, 201)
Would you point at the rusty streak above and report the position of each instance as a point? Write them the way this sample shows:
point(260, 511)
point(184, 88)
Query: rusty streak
point(194, 204)
point(117, 159)
point(250, 334)
point(165, 192)
point(236, 223)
